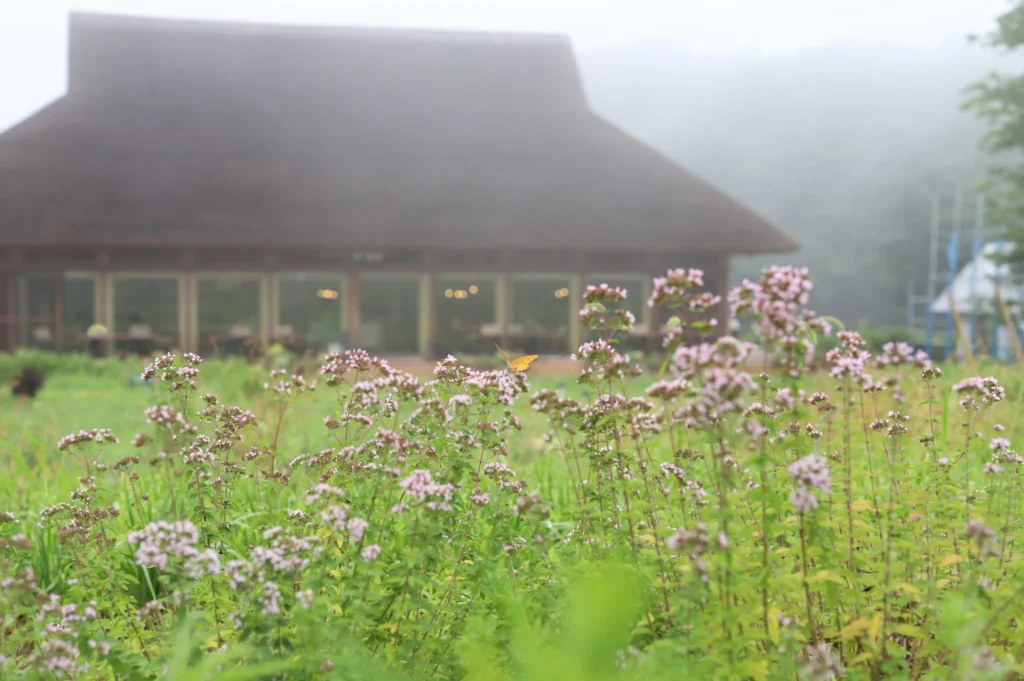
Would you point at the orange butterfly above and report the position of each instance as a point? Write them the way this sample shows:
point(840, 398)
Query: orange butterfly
point(518, 364)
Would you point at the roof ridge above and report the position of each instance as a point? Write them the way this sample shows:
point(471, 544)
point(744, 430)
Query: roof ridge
point(235, 26)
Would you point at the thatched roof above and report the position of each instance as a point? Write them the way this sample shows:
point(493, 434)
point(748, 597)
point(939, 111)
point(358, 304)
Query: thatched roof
point(191, 133)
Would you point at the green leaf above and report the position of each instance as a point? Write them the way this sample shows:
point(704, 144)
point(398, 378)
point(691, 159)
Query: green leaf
point(835, 322)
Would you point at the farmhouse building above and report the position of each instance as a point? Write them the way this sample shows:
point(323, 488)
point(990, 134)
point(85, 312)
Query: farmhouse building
point(203, 185)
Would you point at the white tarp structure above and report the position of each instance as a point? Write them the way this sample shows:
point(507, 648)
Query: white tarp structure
point(974, 291)
point(974, 287)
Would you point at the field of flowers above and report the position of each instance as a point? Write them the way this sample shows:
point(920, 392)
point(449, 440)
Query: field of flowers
point(850, 516)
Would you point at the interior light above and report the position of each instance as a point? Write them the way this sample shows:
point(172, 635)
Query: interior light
point(448, 293)
point(474, 290)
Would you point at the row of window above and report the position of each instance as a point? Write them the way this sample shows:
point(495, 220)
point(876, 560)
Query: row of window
point(311, 312)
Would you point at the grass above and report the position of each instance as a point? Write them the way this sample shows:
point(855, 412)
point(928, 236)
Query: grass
point(858, 520)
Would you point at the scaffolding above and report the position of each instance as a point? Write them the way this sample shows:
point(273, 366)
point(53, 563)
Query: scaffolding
point(955, 242)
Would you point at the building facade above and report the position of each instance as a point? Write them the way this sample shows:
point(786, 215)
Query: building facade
point(210, 186)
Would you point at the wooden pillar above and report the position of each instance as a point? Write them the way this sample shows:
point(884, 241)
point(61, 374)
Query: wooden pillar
point(58, 313)
point(265, 311)
point(721, 288)
point(427, 315)
point(24, 321)
point(9, 312)
point(105, 307)
point(575, 303)
point(97, 308)
point(188, 313)
point(503, 306)
point(274, 284)
point(647, 316)
point(350, 308)
point(183, 313)
point(342, 305)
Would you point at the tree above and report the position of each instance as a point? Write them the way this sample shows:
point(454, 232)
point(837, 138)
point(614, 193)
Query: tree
point(999, 101)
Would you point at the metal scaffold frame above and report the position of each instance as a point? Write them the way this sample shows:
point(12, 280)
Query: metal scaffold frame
point(963, 245)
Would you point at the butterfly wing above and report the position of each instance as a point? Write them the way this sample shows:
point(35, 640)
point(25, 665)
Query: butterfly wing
point(522, 363)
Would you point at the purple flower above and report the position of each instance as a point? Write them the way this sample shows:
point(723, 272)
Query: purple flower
point(356, 529)
point(809, 473)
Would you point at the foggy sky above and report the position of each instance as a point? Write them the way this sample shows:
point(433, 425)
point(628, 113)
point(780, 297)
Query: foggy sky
point(33, 34)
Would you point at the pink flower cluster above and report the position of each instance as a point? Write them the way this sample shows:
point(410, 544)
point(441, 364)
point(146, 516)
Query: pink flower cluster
point(604, 362)
point(819, 663)
point(717, 371)
point(421, 485)
point(57, 650)
point(97, 435)
point(502, 385)
point(178, 378)
point(698, 542)
point(704, 302)
point(776, 303)
point(984, 537)
point(160, 542)
point(604, 294)
point(674, 285)
point(336, 366)
point(897, 354)
point(449, 370)
point(286, 554)
point(809, 473)
point(288, 386)
point(848, 359)
point(979, 392)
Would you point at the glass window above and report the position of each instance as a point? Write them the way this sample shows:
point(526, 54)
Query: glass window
point(389, 312)
point(39, 307)
point(540, 316)
point(229, 314)
point(466, 320)
point(79, 311)
point(145, 313)
point(310, 311)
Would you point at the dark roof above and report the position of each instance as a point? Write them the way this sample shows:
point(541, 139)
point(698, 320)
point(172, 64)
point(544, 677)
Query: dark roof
point(208, 133)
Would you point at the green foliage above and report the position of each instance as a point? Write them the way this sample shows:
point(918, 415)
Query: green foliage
point(50, 363)
point(642, 540)
point(998, 100)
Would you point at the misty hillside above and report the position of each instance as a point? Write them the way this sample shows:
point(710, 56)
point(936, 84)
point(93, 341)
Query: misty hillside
point(838, 146)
